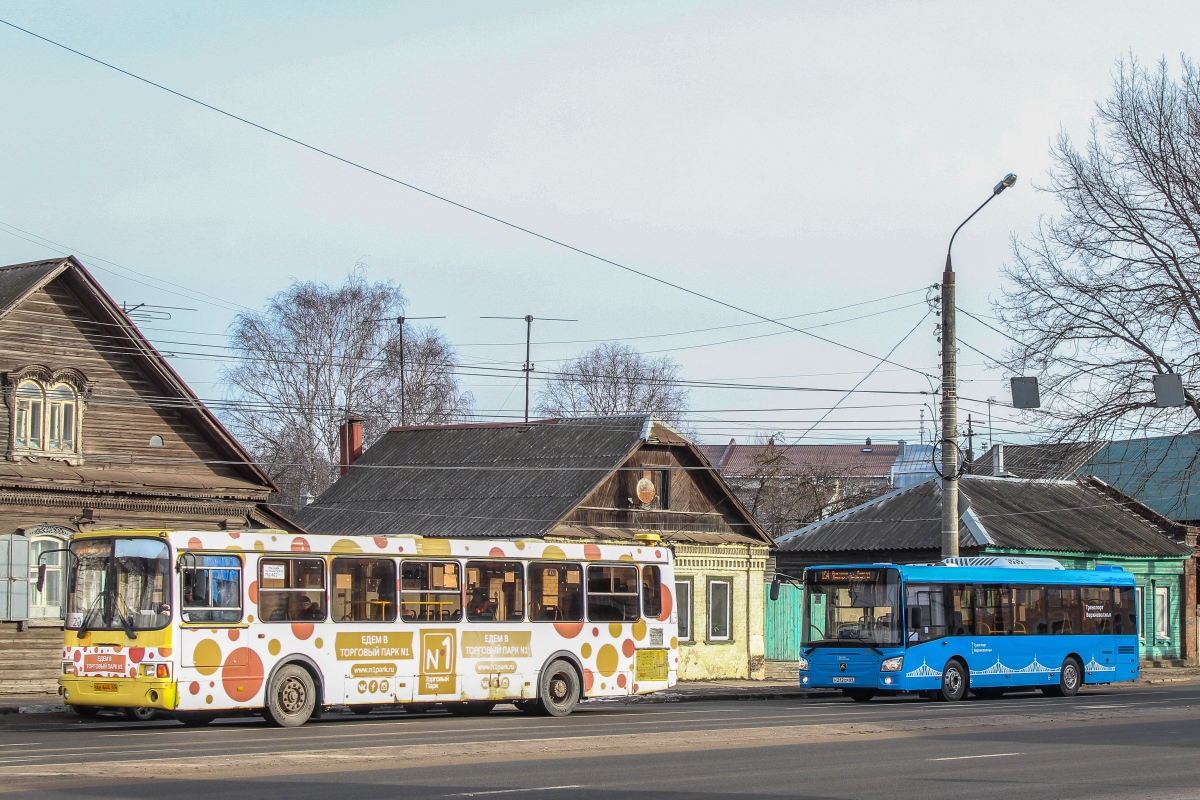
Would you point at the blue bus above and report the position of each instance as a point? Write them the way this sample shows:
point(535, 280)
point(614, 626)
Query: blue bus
point(980, 625)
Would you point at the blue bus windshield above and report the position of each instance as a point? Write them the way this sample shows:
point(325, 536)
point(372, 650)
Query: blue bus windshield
point(852, 607)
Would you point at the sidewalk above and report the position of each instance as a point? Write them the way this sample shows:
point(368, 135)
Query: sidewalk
point(686, 692)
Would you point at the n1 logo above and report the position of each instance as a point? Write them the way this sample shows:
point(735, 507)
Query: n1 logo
point(438, 649)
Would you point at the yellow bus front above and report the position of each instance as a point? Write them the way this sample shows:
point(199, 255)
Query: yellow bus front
point(117, 649)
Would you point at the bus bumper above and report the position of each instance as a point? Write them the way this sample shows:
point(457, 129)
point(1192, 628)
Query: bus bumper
point(118, 692)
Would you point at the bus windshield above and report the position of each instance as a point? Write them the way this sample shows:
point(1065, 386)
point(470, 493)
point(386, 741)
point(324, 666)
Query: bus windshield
point(119, 584)
point(852, 607)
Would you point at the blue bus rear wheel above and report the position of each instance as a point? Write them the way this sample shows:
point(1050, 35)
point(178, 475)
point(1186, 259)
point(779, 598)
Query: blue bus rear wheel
point(1070, 678)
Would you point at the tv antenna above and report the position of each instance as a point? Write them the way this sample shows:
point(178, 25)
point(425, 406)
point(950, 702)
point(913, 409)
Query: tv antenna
point(527, 367)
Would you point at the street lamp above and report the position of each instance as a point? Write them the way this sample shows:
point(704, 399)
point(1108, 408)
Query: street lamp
point(949, 441)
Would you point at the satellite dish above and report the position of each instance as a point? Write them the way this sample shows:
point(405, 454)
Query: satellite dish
point(645, 490)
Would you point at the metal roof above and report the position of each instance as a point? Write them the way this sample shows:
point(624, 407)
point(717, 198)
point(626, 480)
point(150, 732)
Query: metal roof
point(997, 513)
point(865, 460)
point(1051, 461)
point(1159, 471)
point(508, 480)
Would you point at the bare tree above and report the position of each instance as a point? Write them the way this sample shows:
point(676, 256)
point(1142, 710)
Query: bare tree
point(787, 487)
point(316, 352)
point(1105, 295)
point(613, 378)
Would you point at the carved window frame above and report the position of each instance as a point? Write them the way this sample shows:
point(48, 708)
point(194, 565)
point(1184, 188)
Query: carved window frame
point(47, 380)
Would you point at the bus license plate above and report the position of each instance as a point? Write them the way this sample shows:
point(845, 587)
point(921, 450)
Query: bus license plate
point(843, 680)
point(104, 687)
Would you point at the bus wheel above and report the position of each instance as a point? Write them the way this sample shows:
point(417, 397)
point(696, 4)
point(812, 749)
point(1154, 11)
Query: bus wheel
point(291, 697)
point(954, 681)
point(195, 719)
point(142, 714)
point(85, 711)
point(859, 695)
point(558, 690)
point(1070, 678)
point(470, 709)
point(361, 711)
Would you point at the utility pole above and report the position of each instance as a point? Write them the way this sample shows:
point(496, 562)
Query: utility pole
point(527, 367)
point(991, 433)
point(400, 322)
point(949, 443)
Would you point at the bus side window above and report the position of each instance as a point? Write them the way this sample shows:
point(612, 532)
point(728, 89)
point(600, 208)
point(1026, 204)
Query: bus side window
point(612, 594)
point(430, 591)
point(555, 592)
point(1125, 615)
point(364, 589)
point(291, 589)
point(652, 599)
point(495, 591)
point(993, 610)
point(926, 611)
point(1063, 610)
point(1030, 609)
point(1098, 609)
point(210, 588)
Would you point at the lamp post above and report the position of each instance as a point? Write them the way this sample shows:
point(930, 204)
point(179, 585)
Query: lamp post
point(949, 441)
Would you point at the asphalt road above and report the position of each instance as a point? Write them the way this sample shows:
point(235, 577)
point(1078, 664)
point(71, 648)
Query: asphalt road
point(1128, 742)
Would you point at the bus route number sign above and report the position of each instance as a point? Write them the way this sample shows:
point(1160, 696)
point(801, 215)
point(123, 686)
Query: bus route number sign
point(847, 575)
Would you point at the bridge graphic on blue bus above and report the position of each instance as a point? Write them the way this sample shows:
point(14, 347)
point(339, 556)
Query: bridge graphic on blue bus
point(1035, 667)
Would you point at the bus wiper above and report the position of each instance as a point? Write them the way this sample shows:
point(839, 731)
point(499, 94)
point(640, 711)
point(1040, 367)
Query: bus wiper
point(87, 615)
point(126, 621)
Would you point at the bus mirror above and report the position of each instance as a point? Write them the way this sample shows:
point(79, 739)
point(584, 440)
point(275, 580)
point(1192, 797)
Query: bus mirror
point(41, 577)
point(775, 590)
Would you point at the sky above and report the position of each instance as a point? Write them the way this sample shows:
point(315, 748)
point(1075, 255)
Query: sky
point(799, 158)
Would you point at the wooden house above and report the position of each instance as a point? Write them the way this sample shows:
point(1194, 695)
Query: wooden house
point(100, 432)
point(574, 480)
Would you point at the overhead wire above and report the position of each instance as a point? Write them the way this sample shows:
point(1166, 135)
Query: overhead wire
point(445, 199)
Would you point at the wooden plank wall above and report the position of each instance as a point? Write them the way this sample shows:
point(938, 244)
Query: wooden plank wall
point(696, 502)
point(30, 660)
point(54, 329)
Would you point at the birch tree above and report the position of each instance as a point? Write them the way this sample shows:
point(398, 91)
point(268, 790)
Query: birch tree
point(1103, 296)
point(317, 352)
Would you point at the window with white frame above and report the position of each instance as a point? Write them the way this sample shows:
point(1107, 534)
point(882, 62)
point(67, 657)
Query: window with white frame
point(720, 611)
point(1162, 612)
point(46, 546)
point(683, 602)
point(46, 412)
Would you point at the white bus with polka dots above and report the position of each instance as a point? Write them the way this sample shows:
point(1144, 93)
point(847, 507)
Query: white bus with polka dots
point(197, 623)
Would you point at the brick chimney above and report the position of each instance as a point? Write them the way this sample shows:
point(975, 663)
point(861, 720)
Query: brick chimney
point(350, 436)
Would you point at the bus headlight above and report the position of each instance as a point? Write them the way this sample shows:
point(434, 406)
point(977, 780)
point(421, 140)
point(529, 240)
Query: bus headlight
point(892, 664)
point(803, 664)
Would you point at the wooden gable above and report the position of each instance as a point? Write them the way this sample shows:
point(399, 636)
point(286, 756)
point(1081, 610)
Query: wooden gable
point(132, 402)
point(697, 500)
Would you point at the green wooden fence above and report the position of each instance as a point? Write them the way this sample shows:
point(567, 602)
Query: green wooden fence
point(782, 624)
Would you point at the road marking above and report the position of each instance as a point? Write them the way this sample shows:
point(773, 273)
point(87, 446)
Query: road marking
point(517, 791)
point(20, 744)
point(964, 758)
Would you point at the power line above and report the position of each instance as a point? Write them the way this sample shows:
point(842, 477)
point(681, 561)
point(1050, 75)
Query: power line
point(456, 204)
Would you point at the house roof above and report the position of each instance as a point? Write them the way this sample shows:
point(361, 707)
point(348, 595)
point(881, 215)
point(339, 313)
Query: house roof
point(493, 480)
point(833, 460)
point(19, 281)
point(1056, 461)
point(1159, 471)
point(1000, 513)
